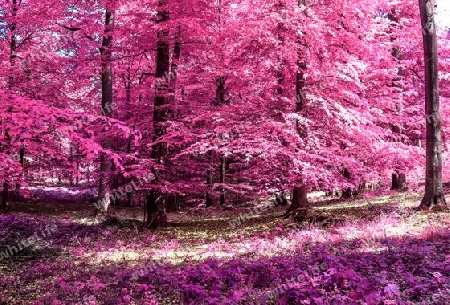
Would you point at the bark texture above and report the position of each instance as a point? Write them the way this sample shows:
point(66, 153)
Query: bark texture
point(104, 183)
point(155, 207)
point(434, 193)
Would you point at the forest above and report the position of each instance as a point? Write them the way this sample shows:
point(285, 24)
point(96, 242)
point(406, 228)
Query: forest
point(224, 152)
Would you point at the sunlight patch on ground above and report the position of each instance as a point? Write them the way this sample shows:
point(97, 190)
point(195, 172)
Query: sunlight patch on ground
point(374, 237)
point(85, 221)
point(357, 204)
point(375, 250)
point(267, 238)
point(180, 256)
point(114, 256)
point(384, 232)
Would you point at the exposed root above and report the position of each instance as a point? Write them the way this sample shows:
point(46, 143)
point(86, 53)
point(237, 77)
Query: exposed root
point(430, 202)
point(309, 216)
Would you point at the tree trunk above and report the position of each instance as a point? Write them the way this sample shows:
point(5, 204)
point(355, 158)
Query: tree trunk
point(15, 196)
point(331, 192)
point(173, 200)
point(209, 180)
point(280, 199)
point(434, 193)
point(156, 200)
point(299, 198)
point(398, 182)
point(71, 158)
point(128, 199)
point(281, 6)
point(13, 44)
point(5, 192)
point(300, 82)
point(347, 193)
point(12, 61)
point(104, 183)
point(116, 201)
point(173, 203)
point(176, 54)
point(223, 169)
point(222, 92)
point(155, 211)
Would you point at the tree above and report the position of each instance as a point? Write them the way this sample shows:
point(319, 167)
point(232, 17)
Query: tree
point(156, 215)
point(299, 193)
point(434, 193)
point(104, 183)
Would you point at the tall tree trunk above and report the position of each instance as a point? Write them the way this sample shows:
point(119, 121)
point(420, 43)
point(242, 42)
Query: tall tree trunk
point(12, 62)
point(104, 183)
point(71, 158)
point(5, 194)
point(173, 200)
point(299, 193)
point(434, 193)
point(223, 168)
point(13, 44)
point(155, 210)
point(281, 6)
point(155, 207)
point(176, 54)
point(4, 206)
point(21, 161)
point(221, 99)
point(209, 180)
point(77, 179)
point(398, 180)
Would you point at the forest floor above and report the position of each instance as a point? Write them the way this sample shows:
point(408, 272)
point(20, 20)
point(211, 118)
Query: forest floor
point(371, 250)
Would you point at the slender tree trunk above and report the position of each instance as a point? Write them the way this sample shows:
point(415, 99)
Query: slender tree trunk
point(77, 181)
point(347, 192)
point(5, 194)
point(209, 181)
point(4, 206)
point(398, 180)
point(223, 168)
point(299, 193)
point(156, 214)
point(434, 193)
point(221, 99)
point(104, 184)
point(281, 6)
point(13, 44)
point(21, 161)
point(176, 54)
point(71, 158)
point(173, 200)
point(12, 62)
